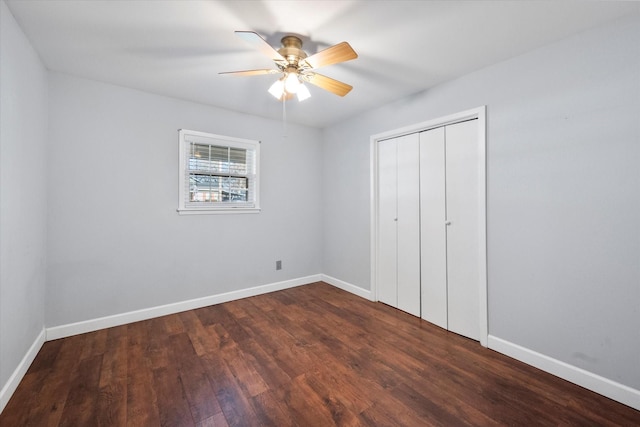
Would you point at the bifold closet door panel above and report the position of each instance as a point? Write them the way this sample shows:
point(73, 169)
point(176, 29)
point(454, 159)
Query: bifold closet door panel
point(433, 234)
point(387, 223)
point(463, 208)
point(408, 224)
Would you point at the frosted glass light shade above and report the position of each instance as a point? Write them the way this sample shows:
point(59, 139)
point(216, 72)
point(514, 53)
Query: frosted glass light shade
point(291, 83)
point(303, 93)
point(277, 89)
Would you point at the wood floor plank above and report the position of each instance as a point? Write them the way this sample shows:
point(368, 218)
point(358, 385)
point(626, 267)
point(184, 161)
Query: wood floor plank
point(356, 392)
point(114, 363)
point(305, 405)
point(390, 412)
point(235, 405)
point(155, 343)
point(271, 411)
point(193, 378)
point(95, 344)
point(80, 407)
point(112, 400)
point(281, 346)
point(112, 405)
point(311, 355)
point(172, 403)
point(203, 342)
point(27, 394)
point(264, 364)
point(343, 410)
point(219, 315)
point(52, 397)
point(47, 356)
point(142, 406)
point(265, 303)
point(217, 420)
point(172, 324)
point(238, 308)
point(245, 374)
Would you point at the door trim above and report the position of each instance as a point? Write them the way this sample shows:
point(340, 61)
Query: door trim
point(479, 113)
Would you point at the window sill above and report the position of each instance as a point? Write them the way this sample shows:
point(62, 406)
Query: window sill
point(218, 211)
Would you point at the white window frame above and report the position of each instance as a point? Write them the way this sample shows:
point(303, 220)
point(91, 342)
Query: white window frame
point(186, 137)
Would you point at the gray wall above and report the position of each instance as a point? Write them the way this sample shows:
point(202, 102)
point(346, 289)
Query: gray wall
point(563, 195)
point(23, 144)
point(116, 243)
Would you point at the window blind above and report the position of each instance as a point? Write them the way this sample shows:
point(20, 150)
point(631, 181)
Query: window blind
point(218, 173)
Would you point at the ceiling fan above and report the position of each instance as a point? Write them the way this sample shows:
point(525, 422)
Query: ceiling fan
point(298, 68)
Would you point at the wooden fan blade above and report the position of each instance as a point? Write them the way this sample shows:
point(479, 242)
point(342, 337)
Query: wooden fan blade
point(327, 83)
point(332, 55)
point(251, 72)
point(261, 44)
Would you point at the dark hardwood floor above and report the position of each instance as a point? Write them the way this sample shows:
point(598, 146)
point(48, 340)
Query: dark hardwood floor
point(307, 356)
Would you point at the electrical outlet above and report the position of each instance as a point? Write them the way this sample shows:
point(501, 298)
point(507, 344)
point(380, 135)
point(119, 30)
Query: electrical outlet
point(278, 265)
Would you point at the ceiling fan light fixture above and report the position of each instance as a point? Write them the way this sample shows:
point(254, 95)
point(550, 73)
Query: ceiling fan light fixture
point(282, 89)
point(277, 89)
point(291, 83)
point(291, 60)
point(303, 93)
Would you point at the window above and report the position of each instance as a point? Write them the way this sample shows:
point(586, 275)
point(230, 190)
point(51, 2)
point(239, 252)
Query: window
point(218, 174)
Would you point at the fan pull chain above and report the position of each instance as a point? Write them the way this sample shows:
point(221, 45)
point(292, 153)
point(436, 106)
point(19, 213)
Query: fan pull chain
point(284, 117)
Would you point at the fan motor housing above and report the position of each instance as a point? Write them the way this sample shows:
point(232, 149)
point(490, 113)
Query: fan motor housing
point(292, 50)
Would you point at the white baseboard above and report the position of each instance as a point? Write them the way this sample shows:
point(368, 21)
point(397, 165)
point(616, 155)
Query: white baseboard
point(163, 310)
point(611, 389)
point(12, 384)
point(91, 325)
point(356, 290)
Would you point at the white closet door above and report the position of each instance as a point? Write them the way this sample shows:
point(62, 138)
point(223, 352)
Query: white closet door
point(432, 233)
point(408, 206)
point(387, 223)
point(463, 208)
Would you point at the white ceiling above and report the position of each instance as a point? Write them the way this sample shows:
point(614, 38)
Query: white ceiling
point(177, 48)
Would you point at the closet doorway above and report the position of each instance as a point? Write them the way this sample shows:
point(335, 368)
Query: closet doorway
point(429, 221)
